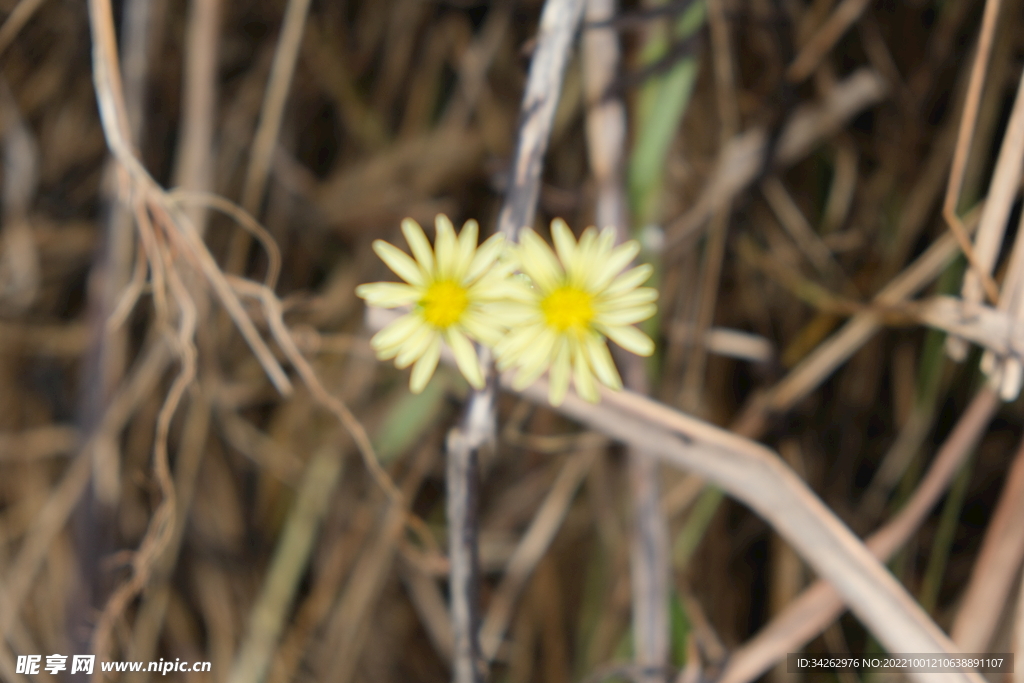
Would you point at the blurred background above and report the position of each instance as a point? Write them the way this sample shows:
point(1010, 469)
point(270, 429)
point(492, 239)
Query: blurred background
point(331, 121)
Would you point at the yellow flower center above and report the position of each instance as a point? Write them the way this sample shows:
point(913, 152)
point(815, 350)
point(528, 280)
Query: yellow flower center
point(568, 308)
point(444, 303)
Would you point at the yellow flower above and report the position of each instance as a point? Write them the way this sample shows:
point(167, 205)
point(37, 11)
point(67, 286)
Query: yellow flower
point(448, 288)
point(577, 299)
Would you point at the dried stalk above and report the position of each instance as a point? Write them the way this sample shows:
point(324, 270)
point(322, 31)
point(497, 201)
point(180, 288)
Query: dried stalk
point(820, 605)
point(992, 578)
point(558, 22)
point(462, 477)
point(193, 168)
point(475, 432)
point(760, 479)
point(272, 110)
point(965, 134)
point(999, 200)
point(1008, 373)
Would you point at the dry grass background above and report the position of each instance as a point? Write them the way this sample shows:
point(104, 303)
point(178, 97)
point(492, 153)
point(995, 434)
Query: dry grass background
point(208, 501)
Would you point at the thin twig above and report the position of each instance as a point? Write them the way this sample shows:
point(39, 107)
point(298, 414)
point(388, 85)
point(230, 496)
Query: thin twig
point(997, 565)
point(161, 526)
point(1007, 373)
point(152, 610)
point(193, 168)
point(107, 82)
point(963, 146)
point(118, 284)
point(275, 320)
point(999, 200)
point(17, 19)
point(271, 114)
point(825, 38)
point(798, 227)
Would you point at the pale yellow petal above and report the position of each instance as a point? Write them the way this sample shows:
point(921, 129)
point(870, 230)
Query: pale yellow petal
point(538, 354)
point(419, 244)
point(528, 374)
point(601, 361)
point(565, 243)
point(626, 316)
point(415, 346)
point(485, 257)
point(561, 369)
point(629, 280)
point(538, 261)
point(509, 255)
point(445, 247)
point(616, 262)
point(425, 366)
point(582, 379)
point(400, 262)
point(630, 338)
point(587, 246)
point(636, 297)
point(496, 289)
point(533, 364)
point(512, 313)
point(465, 358)
point(515, 289)
point(603, 248)
point(586, 258)
point(466, 249)
point(513, 345)
point(482, 327)
point(388, 294)
point(388, 341)
point(525, 376)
